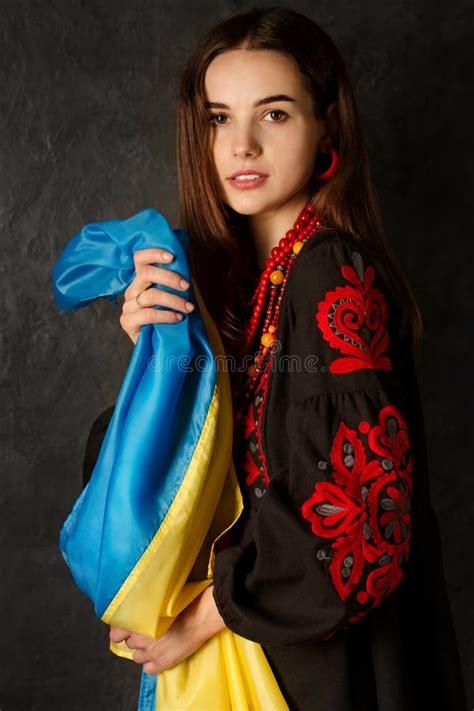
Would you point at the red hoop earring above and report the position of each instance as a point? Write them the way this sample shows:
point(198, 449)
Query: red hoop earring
point(332, 168)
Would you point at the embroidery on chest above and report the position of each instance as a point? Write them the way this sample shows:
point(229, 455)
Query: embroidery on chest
point(253, 462)
point(353, 320)
point(365, 512)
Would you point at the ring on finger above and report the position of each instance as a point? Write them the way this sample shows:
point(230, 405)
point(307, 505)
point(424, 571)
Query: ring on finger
point(137, 298)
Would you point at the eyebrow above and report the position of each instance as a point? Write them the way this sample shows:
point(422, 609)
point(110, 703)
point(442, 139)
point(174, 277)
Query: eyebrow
point(261, 102)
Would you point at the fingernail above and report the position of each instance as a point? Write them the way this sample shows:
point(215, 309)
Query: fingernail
point(166, 255)
point(183, 283)
point(179, 317)
point(189, 306)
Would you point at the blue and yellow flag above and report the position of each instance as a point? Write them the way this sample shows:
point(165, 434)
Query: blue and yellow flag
point(140, 539)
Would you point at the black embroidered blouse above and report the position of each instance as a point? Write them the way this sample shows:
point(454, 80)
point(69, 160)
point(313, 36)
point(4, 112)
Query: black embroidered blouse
point(335, 564)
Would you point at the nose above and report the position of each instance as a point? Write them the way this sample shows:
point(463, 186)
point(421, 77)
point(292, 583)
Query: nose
point(245, 143)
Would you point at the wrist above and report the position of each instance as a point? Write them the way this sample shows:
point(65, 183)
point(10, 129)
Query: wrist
point(213, 622)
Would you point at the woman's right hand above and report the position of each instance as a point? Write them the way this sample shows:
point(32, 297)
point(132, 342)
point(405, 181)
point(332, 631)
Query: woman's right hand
point(134, 316)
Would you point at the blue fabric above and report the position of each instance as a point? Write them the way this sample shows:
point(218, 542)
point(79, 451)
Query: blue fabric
point(147, 694)
point(159, 414)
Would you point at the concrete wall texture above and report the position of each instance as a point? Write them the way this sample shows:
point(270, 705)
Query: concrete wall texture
point(87, 132)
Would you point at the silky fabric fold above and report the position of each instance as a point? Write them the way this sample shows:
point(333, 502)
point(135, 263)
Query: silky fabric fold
point(140, 539)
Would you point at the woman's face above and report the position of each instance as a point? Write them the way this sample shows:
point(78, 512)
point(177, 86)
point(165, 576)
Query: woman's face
point(280, 137)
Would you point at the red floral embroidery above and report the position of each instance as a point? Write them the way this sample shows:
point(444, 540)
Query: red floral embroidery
point(252, 461)
point(365, 514)
point(353, 320)
point(250, 467)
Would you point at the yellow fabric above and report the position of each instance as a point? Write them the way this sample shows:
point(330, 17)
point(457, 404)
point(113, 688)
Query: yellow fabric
point(228, 672)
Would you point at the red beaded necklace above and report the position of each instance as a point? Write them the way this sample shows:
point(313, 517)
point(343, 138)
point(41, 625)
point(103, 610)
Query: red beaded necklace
point(273, 277)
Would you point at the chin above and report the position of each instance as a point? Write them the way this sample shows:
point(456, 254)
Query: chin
point(250, 204)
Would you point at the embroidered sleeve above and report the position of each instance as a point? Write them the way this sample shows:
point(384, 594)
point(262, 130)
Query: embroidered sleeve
point(331, 538)
point(352, 318)
point(359, 490)
point(347, 324)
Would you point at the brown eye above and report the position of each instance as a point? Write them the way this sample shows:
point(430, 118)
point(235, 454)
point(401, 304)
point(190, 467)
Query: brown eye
point(278, 111)
point(213, 118)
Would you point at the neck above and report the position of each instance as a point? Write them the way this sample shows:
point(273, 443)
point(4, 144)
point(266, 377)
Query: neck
point(268, 228)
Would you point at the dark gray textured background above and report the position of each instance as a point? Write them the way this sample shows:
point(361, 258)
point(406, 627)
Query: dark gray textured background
point(88, 133)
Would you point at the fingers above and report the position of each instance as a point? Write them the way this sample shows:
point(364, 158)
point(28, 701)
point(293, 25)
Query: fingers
point(138, 641)
point(133, 316)
point(132, 323)
point(132, 639)
point(149, 275)
point(150, 668)
point(118, 634)
point(151, 254)
point(158, 655)
point(140, 656)
point(154, 297)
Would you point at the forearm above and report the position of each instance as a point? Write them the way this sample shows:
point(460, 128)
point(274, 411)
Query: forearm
point(211, 620)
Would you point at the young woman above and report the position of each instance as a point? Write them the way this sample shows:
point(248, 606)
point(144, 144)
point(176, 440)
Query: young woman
point(336, 565)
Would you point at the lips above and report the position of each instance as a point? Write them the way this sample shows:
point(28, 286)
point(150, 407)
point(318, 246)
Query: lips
point(247, 172)
point(247, 179)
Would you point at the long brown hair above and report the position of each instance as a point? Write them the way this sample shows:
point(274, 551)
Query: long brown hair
point(221, 251)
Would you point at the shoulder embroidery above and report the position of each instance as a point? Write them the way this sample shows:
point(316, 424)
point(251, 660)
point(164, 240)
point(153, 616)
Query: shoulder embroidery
point(365, 513)
point(353, 319)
